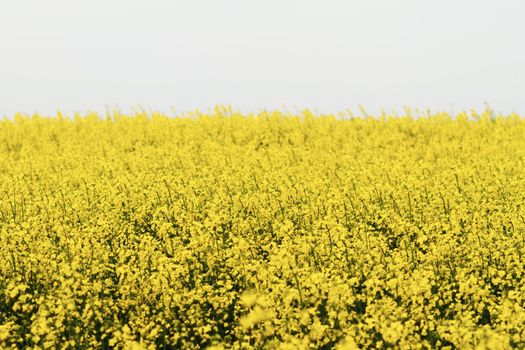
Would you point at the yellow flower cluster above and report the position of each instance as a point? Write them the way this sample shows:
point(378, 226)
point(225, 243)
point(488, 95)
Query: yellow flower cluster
point(224, 230)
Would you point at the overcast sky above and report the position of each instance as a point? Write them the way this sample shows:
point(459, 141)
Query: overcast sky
point(331, 55)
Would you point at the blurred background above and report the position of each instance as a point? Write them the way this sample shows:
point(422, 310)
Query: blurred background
point(176, 56)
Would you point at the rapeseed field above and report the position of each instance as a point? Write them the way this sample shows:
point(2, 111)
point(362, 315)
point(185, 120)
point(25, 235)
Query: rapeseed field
point(270, 230)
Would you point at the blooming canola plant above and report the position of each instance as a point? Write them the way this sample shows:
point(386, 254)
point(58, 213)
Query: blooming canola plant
point(270, 230)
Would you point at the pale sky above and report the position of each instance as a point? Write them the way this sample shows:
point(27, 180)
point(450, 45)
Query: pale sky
point(329, 55)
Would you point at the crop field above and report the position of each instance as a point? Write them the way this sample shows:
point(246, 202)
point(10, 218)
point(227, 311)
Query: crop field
point(269, 230)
